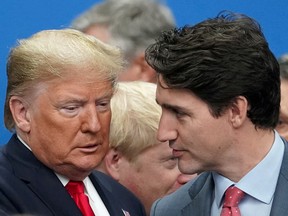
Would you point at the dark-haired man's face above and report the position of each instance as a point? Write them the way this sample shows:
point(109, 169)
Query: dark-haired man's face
point(199, 141)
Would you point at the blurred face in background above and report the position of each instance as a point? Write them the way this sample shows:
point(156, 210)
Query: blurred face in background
point(137, 67)
point(153, 174)
point(282, 126)
point(99, 31)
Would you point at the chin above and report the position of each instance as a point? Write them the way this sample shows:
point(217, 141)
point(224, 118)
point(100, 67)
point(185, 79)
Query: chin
point(89, 165)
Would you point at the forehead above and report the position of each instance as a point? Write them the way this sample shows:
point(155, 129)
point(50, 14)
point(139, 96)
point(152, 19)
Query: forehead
point(167, 94)
point(180, 99)
point(99, 31)
point(77, 77)
point(84, 73)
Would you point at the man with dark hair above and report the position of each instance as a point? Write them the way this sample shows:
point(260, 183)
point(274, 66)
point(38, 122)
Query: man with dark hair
point(219, 89)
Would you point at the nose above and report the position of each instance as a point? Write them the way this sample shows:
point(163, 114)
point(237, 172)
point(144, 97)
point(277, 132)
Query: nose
point(90, 121)
point(184, 178)
point(166, 130)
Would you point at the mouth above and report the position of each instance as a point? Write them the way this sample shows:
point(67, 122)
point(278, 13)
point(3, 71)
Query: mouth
point(89, 148)
point(177, 153)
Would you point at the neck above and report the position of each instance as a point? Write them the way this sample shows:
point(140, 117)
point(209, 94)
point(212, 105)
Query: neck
point(246, 152)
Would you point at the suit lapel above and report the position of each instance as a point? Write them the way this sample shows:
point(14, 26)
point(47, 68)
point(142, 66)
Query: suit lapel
point(279, 205)
point(41, 180)
point(53, 194)
point(201, 197)
point(105, 192)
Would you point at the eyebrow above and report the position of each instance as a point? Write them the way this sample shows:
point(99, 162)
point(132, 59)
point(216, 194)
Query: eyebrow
point(173, 107)
point(109, 93)
point(76, 98)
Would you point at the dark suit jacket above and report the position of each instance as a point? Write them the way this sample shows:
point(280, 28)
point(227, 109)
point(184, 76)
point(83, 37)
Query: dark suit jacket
point(196, 197)
point(29, 187)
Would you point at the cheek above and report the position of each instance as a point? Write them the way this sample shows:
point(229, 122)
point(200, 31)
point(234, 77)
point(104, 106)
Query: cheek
point(105, 120)
point(168, 177)
point(47, 123)
point(129, 178)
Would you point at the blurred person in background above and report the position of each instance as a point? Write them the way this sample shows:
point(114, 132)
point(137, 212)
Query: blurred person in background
point(282, 126)
point(136, 158)
point(131, 25)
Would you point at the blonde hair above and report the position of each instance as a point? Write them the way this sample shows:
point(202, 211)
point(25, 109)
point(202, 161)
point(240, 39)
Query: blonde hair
point(135, 118)
point(52, 54)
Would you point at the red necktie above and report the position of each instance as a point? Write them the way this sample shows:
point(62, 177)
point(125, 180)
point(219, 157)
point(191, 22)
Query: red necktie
point(233, 195)
point(76, 190)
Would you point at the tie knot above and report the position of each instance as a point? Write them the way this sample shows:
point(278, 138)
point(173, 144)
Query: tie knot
point(75, 187)
point(233, 196)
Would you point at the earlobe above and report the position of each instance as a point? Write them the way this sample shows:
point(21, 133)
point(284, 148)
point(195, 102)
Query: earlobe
point(21, 116)
point(112, 160)
point(239, 111)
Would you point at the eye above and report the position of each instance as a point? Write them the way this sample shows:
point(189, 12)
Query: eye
point(178, 113)
point(171, 162)
point(69, 110)
point(103, 105)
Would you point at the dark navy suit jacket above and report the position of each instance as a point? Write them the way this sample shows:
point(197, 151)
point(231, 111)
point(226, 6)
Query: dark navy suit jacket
point(29, 187)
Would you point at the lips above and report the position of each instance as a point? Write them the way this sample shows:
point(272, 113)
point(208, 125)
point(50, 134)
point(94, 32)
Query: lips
point(177, 153)
point(89, 148)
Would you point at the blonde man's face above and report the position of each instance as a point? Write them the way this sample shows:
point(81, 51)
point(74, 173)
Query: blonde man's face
point(153, 174)
point(69, 124)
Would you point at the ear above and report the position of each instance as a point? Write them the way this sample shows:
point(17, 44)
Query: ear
point(147, 73)
point(112, 162)
point(238, 111)
point(20, 113)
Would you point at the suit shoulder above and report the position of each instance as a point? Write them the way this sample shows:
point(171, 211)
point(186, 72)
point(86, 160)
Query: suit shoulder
point(172, 204)
point(120, 194)
point(110, 183)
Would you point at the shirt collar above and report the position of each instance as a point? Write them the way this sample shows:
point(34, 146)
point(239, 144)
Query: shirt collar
point(24, 143)
point(258, 183)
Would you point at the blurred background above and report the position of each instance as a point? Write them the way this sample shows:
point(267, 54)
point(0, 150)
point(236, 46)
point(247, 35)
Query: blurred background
point(20, 19)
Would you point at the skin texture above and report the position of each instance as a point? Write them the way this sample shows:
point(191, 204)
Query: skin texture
point(99, 31)
point(152, 175)
point(282, 126)
point(66, 124)
point(202, 142)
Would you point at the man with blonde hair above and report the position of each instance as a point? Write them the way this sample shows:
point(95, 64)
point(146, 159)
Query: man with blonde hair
point(136, 159)
point(60, 83)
